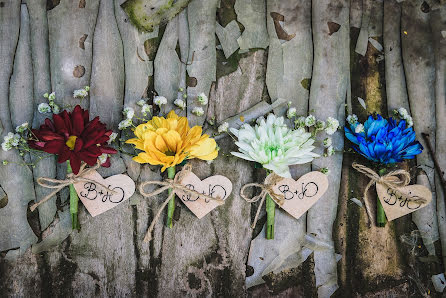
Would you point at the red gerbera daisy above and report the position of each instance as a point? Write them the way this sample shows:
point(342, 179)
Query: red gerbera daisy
point(73, 137)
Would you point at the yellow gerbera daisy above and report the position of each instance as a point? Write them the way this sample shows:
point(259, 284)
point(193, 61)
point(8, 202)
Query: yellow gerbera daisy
point(168, 141)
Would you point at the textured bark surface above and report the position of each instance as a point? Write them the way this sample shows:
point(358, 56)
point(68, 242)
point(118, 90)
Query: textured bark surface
point(249, 57)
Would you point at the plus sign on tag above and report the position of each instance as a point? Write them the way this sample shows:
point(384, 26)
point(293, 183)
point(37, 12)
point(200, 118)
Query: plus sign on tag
point(106, 193)
point(300, 195)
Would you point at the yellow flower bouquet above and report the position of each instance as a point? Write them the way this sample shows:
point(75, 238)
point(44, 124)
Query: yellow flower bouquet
point(168, 142)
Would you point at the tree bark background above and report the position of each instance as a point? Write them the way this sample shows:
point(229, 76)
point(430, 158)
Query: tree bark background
point(320, 55)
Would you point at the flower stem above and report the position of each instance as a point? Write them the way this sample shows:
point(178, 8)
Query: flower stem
point(380, 214)
point(171, 206)
point(270, 213)
point(74, 202)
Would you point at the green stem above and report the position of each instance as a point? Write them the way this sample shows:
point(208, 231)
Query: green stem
point(270, 213)
point(380, 214)
point(74, 202)
point(171, 206)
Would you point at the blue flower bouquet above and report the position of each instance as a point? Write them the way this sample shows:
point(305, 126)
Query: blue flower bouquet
point(383, 142)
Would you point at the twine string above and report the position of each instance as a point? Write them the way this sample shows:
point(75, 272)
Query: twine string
point(392, 180)
point(175, 185)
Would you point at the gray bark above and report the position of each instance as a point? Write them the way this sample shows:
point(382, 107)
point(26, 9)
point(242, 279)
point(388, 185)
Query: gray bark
point(419, 68)
point(327, 99)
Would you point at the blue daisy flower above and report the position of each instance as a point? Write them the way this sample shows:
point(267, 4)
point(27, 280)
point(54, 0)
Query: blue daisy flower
point(383, 141)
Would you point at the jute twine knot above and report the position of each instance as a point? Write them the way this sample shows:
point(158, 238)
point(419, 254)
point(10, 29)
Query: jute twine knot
point(266, 189)
point(175, 185)
point(392, 180)
point(71, 178)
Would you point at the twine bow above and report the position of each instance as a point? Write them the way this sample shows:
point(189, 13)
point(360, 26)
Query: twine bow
point(266, 189)
point(71, 178)
point(392, 180)
point(175, 185)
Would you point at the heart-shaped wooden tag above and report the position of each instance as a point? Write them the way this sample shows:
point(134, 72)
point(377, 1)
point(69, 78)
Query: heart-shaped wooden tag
point(300, 195)
point(98, 199)
point(398, 203)
point(215, 186)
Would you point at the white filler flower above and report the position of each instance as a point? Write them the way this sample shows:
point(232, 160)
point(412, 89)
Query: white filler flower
point(44, 108)
point(202, 99)
point(198, 111)
point(180, 103)
point(112, 137)
point(126, 123)
point(291, 113)
point(128, 112)
point(223, 127)
point(159, 100)
point(272, 144)
point(332, 125)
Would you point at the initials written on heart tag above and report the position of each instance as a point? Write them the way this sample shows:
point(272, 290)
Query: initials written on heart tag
point(215, 186)
point(98, 199)
point(300, 195)
point(397, 203)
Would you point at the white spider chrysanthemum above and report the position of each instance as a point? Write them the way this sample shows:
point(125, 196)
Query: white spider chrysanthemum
point(141, 102)
point(272, 144)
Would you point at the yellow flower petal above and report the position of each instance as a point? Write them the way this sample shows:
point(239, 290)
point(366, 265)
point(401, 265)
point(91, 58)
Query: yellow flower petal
point(172, 115)
point(203, 148)
point(172, 138)
point(211, 156)
point(160, 144)
point(145, 158)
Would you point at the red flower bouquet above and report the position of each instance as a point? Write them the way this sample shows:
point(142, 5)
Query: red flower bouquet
point(74, 139)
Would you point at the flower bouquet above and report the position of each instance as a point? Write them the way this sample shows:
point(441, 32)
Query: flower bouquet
point(275, 147)
point(384, 142)
point(168, 142)
point(72, 136)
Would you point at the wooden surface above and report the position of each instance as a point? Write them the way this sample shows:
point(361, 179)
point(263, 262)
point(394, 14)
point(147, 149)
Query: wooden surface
point(316, 54)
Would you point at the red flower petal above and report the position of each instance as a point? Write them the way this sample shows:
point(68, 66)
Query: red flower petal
point(75, 163)
point(86, 116)
point(50, 136)
point(108, 150)
point(54, 147)
point(49, 124)
point(59, 123)
point(67, 120)
point(89, 159)
point(107, 163)
point(64, 155)
point(78, 121)
point(78, 145)
point(94, 150)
